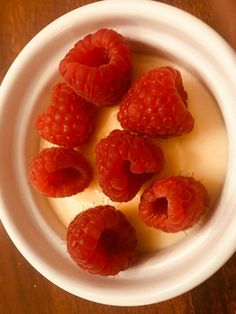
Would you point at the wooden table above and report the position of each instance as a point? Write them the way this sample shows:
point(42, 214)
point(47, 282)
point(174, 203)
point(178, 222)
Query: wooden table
point(22, 289)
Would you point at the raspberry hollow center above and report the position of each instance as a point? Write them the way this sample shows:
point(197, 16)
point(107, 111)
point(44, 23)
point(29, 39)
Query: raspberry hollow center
point(109, 241)
point(64, 176)
point(161, 206)
point(96, 57)
point(135, 180)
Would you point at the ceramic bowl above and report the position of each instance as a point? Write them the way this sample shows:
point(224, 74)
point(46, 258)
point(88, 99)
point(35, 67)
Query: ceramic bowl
point(30, 223)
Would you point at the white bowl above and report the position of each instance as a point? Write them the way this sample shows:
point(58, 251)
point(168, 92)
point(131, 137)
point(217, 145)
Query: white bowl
point(30, 223)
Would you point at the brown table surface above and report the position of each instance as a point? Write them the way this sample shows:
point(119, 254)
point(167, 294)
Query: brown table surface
point(22, 288)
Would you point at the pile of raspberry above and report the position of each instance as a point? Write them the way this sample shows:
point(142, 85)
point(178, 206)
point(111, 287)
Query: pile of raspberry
point(97, 72)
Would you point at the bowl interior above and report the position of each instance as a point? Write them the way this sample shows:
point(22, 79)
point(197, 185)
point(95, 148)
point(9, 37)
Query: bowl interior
point(32, 225)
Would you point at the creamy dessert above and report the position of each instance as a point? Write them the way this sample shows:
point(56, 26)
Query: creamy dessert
point(202, 153)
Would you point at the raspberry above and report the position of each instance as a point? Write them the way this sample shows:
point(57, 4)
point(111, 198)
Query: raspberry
point(99, 67)
point(102, 241)
point(155, 105)
point(124, 162)
point(59, 172)
point(173, 204)
point(69, 120)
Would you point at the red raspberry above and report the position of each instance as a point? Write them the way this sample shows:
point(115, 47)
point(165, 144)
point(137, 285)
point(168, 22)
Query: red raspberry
point(156, 105)
point(59, 172)
point(99, 67)
point(124, 162)
point(69, 120)
point(173, 204)
point(102, 241)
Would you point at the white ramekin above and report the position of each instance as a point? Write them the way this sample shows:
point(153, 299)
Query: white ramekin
point(29, 222)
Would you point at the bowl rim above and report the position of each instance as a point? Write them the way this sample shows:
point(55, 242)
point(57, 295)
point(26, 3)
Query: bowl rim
point(189, 24)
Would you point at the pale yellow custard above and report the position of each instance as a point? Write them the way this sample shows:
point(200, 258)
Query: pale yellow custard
point(202, 154)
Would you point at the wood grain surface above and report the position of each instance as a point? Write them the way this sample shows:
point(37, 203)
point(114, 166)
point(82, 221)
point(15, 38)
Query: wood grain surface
point(22, 289)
